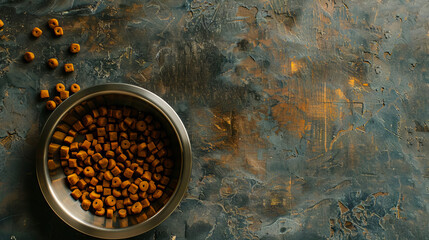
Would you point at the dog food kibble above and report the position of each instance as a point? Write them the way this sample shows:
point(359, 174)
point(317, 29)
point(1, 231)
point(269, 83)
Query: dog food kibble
point(64, 95)
point(44, 94)
point(117, 160)
point(68, 67)
point(53, 23)
point(1, 23)
point(74, 48)
point(74, 88)
point(36, 32)
point(60, 87)
point(51, 105)
point(57, 100)
point(29, 56)
point(53, 63)
point(58, 31)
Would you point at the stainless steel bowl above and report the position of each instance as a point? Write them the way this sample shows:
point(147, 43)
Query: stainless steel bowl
point(57, 193)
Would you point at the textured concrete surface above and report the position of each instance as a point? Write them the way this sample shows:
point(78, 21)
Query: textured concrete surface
point(308, 119)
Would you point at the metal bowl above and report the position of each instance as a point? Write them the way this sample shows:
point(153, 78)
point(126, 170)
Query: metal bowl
point(56, 191)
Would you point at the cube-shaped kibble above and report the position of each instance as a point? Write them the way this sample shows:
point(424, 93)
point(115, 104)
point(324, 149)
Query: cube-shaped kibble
point(44, 94)
point(64, 95)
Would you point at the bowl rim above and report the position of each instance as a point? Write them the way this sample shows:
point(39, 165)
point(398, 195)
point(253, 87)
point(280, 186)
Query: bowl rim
point(42, 170)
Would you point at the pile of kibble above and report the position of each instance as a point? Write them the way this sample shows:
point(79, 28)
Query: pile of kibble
point(123, 163)
point(63, 94)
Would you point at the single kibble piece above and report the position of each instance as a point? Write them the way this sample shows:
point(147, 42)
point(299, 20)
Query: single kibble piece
point(122, 213)
point(53, 23)
point(68, 67)
point(157, 194)
point(1, 23)
point(74, 48)
point(109, 213)
point(53, 63)
point(97, 204)
point(44, 94)
point(145, 203)
point(76, 194)
point(100, 212)
point(74, 88)
point(60, 87)
point(29, 56)
point(64, 95)
point(58, 31)
point(36, 32)
point(110, 201)
point(89, 172)
point(51, 105)
point(144, 186)
point(86, 204)
point(72, 179)
point(57, 100)
point(137, 208)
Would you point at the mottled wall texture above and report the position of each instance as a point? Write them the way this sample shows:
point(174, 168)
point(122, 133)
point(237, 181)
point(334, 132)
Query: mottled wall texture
point(308, 118)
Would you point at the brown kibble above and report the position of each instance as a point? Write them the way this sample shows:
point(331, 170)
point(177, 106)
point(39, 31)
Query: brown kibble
point(128, 173)
point(122, 213)
point(133, 188)
point(137, 208)
point(74, 88)
point(97, 204)
point(57, 100)
point(53, 63)
point(29, 56)
point(68, 67)
point(93, 195)
point(147, 175)
point(64, 95)
point(108, 176)
point(110, 201)
point(85, 145)
point(60, 87)
point(58, 31)
point(36, 32)
point(103, 163)
point(89, 172)
point(86, 204)
point(157, 194)
point(128, 202)
point(116, 193)
point(52, 165)
point(87, 120)
point(44, 94)
point(152, 187)
point(72, 163)
point(72, 179)
point(53, 23)
point(165, 180)
point(101, 132)
point(122, 158)
point(96, 157)
point(74, 48)
point(109, 213)
point(156, 176)
point(125, 144)
point(76, 194)
point(94, 181)
point(145, 203)
point(116, 182)
point(141, 126)
point(51, 105)
point(107, 191)
point(100, 212)
point(144, 186)
point(1, 23)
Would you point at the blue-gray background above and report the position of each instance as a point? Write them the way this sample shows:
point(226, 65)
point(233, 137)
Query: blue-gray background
point(308, 119)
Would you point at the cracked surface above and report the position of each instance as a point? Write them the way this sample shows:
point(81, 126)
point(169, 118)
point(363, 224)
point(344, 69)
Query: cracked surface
point(308, 119)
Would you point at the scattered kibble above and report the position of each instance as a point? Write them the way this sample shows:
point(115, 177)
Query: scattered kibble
point(57, 100)
point(53, 63)
point(53, 23)
point(68, 67)
point(44, 94)
point(64, 95)
point(51, 105)
point(60, 87)
point(74, 88)
point(29, 56)
point(58, 31)
point(74, 48)
point(37, 32)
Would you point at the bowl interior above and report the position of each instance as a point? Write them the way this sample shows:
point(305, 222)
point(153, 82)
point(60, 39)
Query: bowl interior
point(59, 188)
